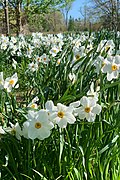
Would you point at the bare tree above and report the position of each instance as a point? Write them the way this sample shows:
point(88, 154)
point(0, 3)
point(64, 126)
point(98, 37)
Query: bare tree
point(109, 10)
point(67, 5)
point(83, 12)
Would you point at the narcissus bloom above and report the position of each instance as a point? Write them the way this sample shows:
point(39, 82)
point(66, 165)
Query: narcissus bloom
point(50, 107)
point(54, 51)
point(112, 68)
point(63, 115)
point(39, 125)
point(45, 59)
point(89, 109)
point(33, 104)
point(14, 130)
point(33, 66)
point(10, 82)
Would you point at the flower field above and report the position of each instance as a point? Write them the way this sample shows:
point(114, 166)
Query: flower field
point(60, 106)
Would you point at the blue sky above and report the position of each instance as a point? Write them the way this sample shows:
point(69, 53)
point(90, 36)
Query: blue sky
point(74, 12)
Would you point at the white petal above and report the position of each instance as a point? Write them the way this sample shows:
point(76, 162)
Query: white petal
point(110, 76)
point(53, 116)
point(75, 104)
point(70, 109)
point(49, 125)
point(97, 109)
point(92, 102)
point(43, 133)
point(70, 118)
point(49, 105)
point(31, 115)
point(106, 68)
point(25, 129)
point(90, 117)
point(1, 130)
point(117, 59)
point(84, 101)
point(17, 86)
point(32, 132)
point(115, 74)
point(61, 107)
point(62, 123)
point(80, 112)
point(42, 115)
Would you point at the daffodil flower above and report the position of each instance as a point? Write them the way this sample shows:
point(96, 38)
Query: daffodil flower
point(10, 82)
point(89, 109)
point(39, 125)
point(63, 115)
point(112, 68)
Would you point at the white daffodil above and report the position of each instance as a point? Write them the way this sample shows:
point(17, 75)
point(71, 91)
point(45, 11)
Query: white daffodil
point(112, 68)
point(78, 53)
point(33, 67)
point(33, 104)
point(75, 106)
point(54, 51)
point(38, 59)
point(1, 81)
point(50, 107)
point(39, 125)
point(4, 46)
point(63, 115)
point(14, 130)
point(13, 40)
point(107, 46)
point(89, 109)
point(10, 82)
point(99, 63)
point(29, 51)
point(58, 62)
point(45, 59)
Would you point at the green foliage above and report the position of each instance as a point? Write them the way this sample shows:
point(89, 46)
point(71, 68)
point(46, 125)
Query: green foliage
point(83, 150)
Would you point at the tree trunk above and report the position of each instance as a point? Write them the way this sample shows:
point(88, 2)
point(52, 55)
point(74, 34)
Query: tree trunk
point(18, 17)
point(118, 22)
point(6, 17)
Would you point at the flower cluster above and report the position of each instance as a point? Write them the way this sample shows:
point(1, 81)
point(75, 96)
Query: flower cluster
point(39, 123)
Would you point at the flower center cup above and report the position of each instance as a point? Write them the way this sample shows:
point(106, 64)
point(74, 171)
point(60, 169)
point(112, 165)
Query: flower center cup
point(38, 59)
point(87, 109)
point(107, 48)
point(103, 64)
point(77, 56)
point(33, 106)
point(38, 125)
point(54, 50)
point(114, 67)
point(13, 131)
point(60, 114)
point(11, 82)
